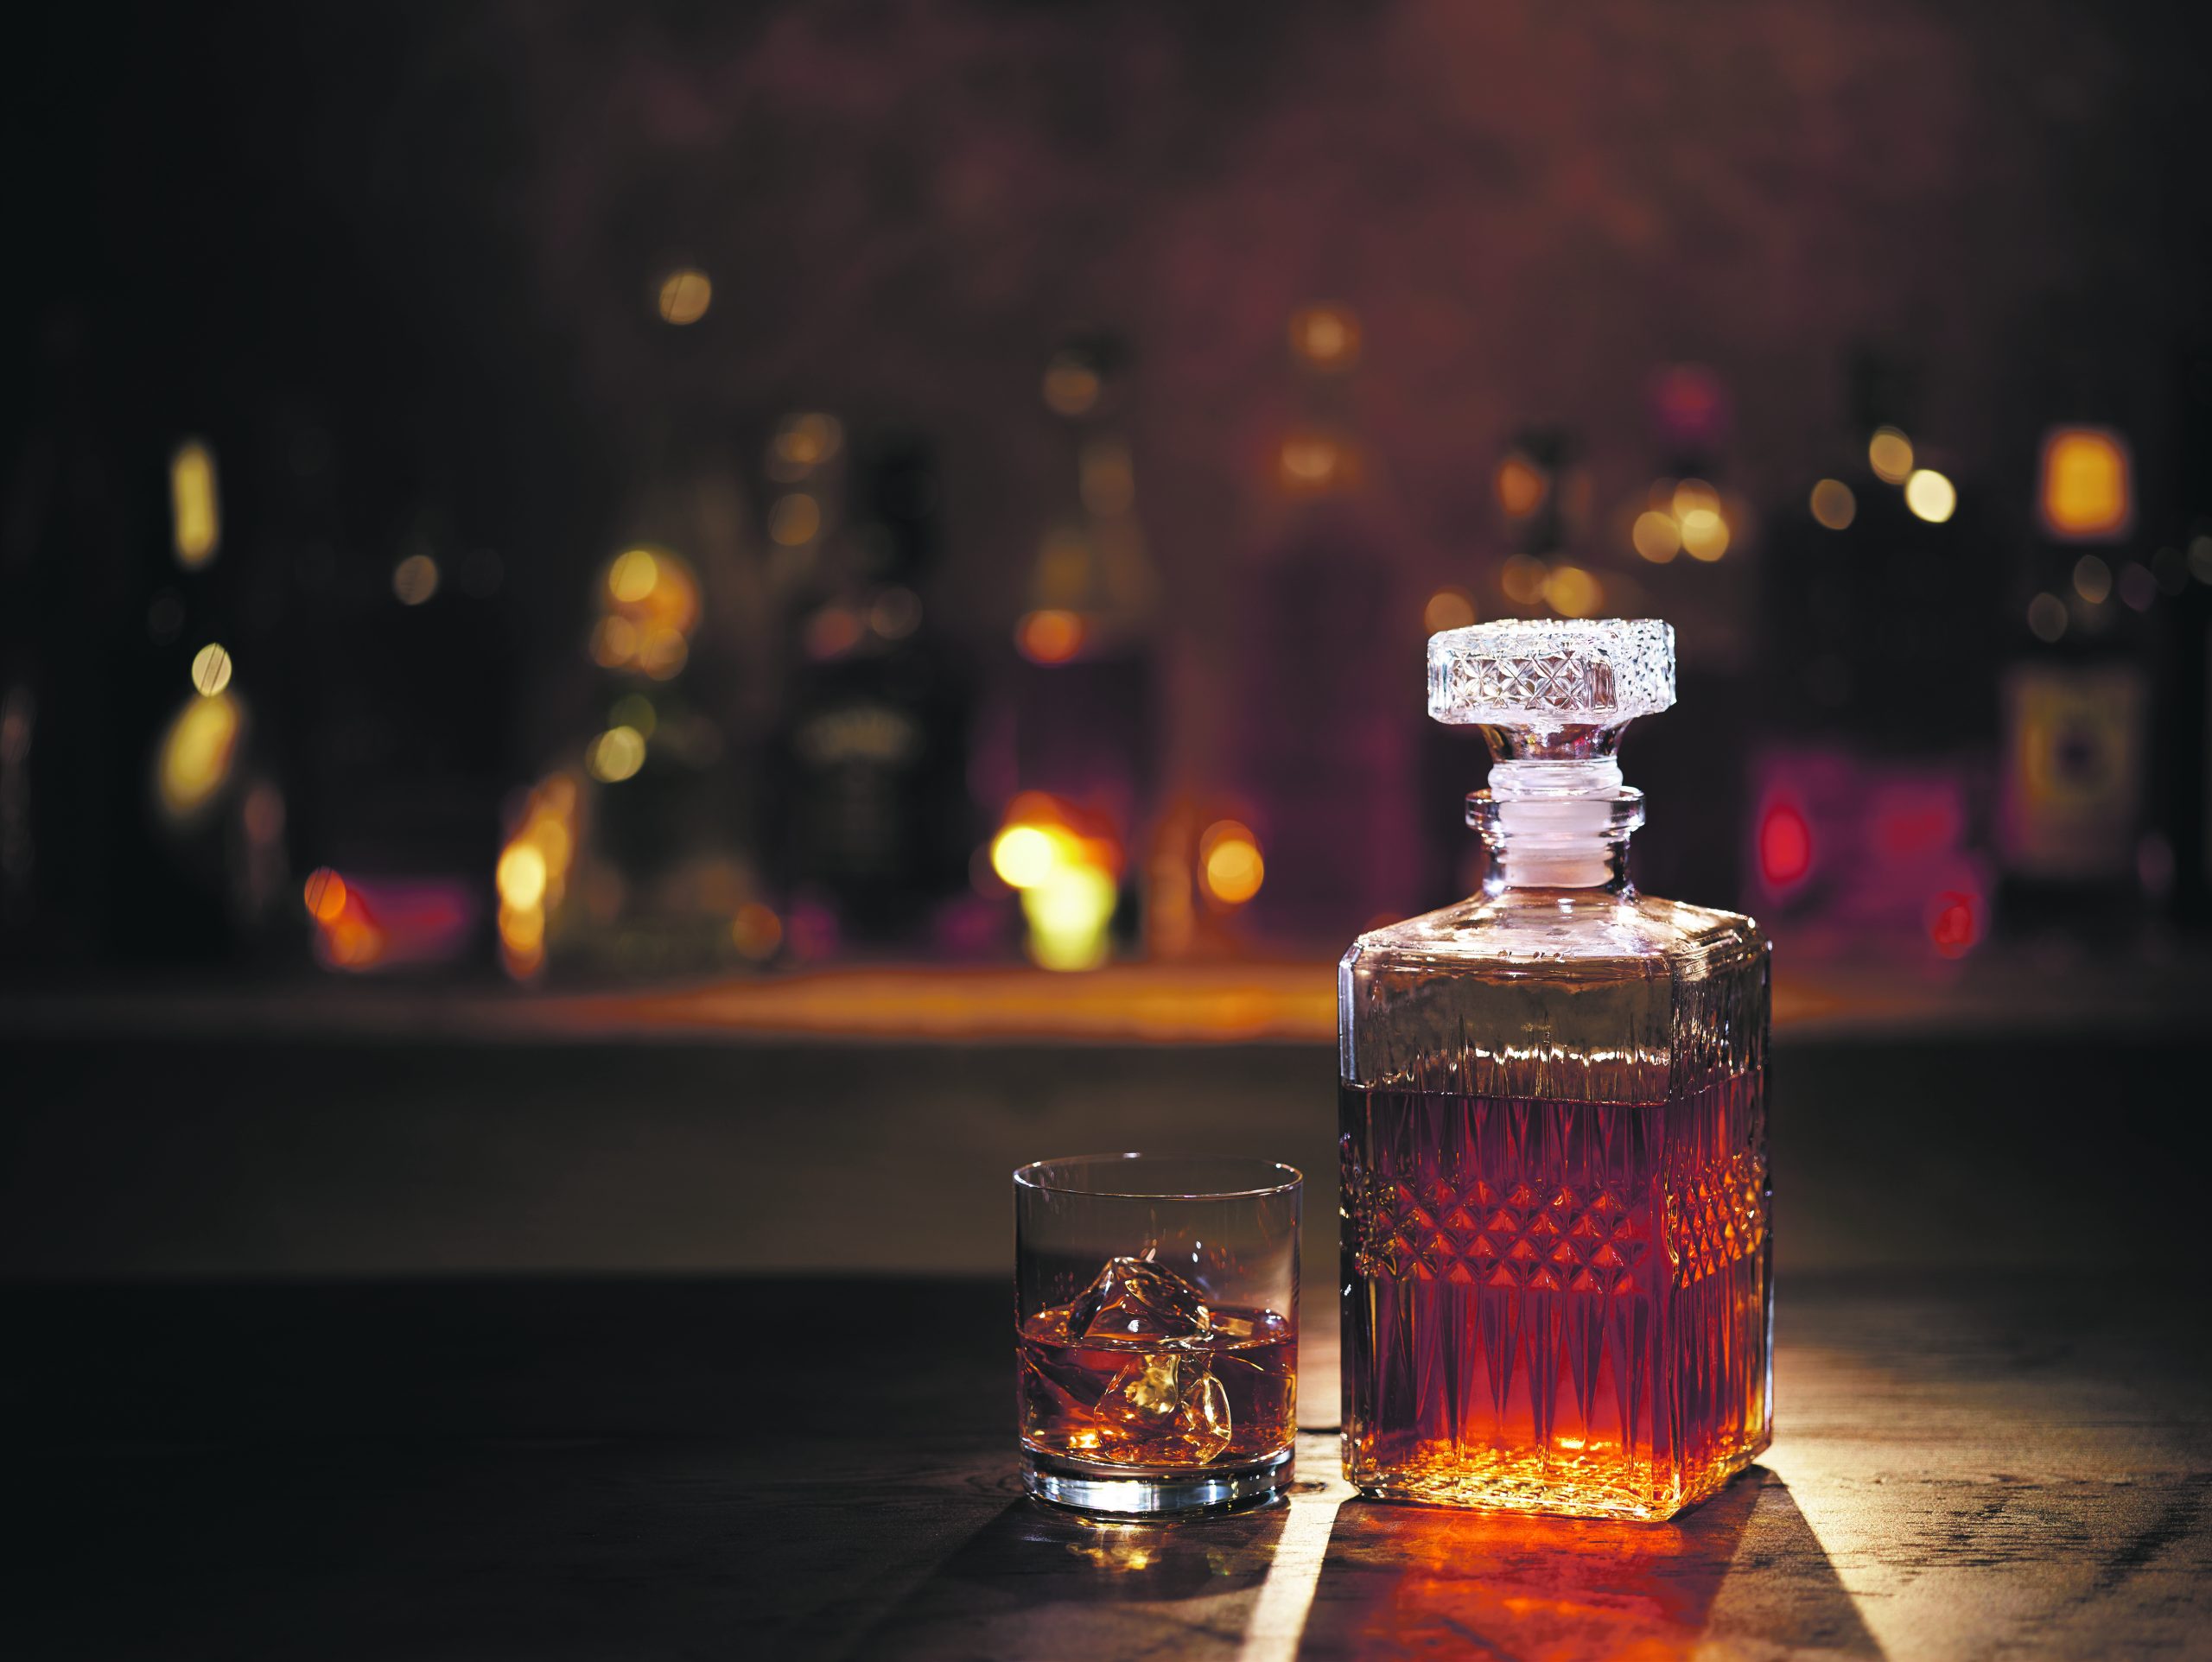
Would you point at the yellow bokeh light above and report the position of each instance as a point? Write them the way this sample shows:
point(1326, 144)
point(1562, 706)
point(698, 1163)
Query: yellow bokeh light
point(1705, 534)
point(1027, 855)
point(2086, 484)
point(1521, 486)
point(634, 576)
point(1071, 386)
point(194, 511)
point(1889, 452)
point(1068, 914)
point(1309, 461)
point(2091, 579)
point(1521, 577)
point(1930, 496)
point(2047, 617)
point(1327, 337)
point(1573, 592)
point(521, 876)
point(1657, 536)
point(1448, 608)
point(1230, 868)
point(193, 761)
point(1694, 496)
point(661, 653)
point(685, 294)
point(795, 520)
point(211, 669)
point(1833, 504)
point(414, 578)
point(616, 755)
point(522, 932)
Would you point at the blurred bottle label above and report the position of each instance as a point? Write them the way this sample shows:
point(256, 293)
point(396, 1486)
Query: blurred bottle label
point(2073, 770)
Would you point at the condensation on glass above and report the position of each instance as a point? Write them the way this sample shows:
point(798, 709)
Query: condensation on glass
point(1556, 1269)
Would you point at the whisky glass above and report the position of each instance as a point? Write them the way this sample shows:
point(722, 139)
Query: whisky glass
point(1156, 1330)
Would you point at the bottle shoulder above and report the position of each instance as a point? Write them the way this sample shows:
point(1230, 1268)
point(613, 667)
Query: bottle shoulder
point(1569, 932)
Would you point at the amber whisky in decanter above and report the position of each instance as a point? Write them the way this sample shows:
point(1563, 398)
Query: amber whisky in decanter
point(1557, 1279)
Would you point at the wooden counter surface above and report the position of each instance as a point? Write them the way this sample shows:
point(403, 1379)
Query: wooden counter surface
point(1978, 1465)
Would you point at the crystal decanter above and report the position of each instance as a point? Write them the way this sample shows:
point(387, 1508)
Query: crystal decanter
point(1557, 1286)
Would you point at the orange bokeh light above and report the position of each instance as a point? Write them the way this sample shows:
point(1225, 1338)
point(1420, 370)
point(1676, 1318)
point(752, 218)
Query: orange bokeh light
point(1049, 636)
point(325, 895)
point(2088, 479)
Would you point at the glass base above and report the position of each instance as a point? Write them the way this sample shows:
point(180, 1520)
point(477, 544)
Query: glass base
point(1121, 1493)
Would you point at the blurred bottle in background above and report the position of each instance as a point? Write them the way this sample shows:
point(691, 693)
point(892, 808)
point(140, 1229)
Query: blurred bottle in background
point(1326, 755)
point(1868, 829)
point(2073, 825)
point(1083, 713)
point(879, 828)
point(662, 809)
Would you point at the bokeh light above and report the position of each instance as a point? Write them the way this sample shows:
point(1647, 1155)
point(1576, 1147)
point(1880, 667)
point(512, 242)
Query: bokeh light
point(1448, 608)
point(1833, 504)
point(325, 895)
point(1785, 844)
point(1705, 534)
point(1694, 496)
point(2086, 484)
point(1310, 461)
point(1521, 577)
point(1521, 486)
point(1327, 337)
point(794, 520)
point(1954, 923)
point(1027, 855)
point(1071, 386)
point(1049, 636)
point(211, 669)
point(1068, 918)
point(2091, 579)
point(193, 762)
point(2046, 616)
point(756, 931)
point(803, 442)
point(2200, 559)
point(1889, 452)
point(1573, 593)
point(1230, 869)
point(633, 576)
point(1655, 535)
point(685, 294)
point(414, 578)
point(521, 876)
point(616, 755)
point(195, 513)
point(1930, 496)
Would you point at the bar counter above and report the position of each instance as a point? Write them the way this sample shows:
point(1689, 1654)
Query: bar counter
point(662, 1466)
point(379, 1322)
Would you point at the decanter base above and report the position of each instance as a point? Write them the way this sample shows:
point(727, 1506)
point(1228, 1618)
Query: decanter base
point(1494, 1481)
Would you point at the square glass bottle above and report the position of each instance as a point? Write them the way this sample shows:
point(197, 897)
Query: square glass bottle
point(1557, 1284)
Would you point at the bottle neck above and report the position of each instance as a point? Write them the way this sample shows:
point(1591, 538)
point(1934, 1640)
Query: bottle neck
point(1557, 824)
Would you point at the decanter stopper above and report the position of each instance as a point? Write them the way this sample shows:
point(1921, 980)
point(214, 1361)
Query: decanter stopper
point(1551, 698)
point(1543, 677)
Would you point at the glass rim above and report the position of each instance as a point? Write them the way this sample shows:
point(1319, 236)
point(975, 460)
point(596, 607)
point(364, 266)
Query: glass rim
point(1036, 1176)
